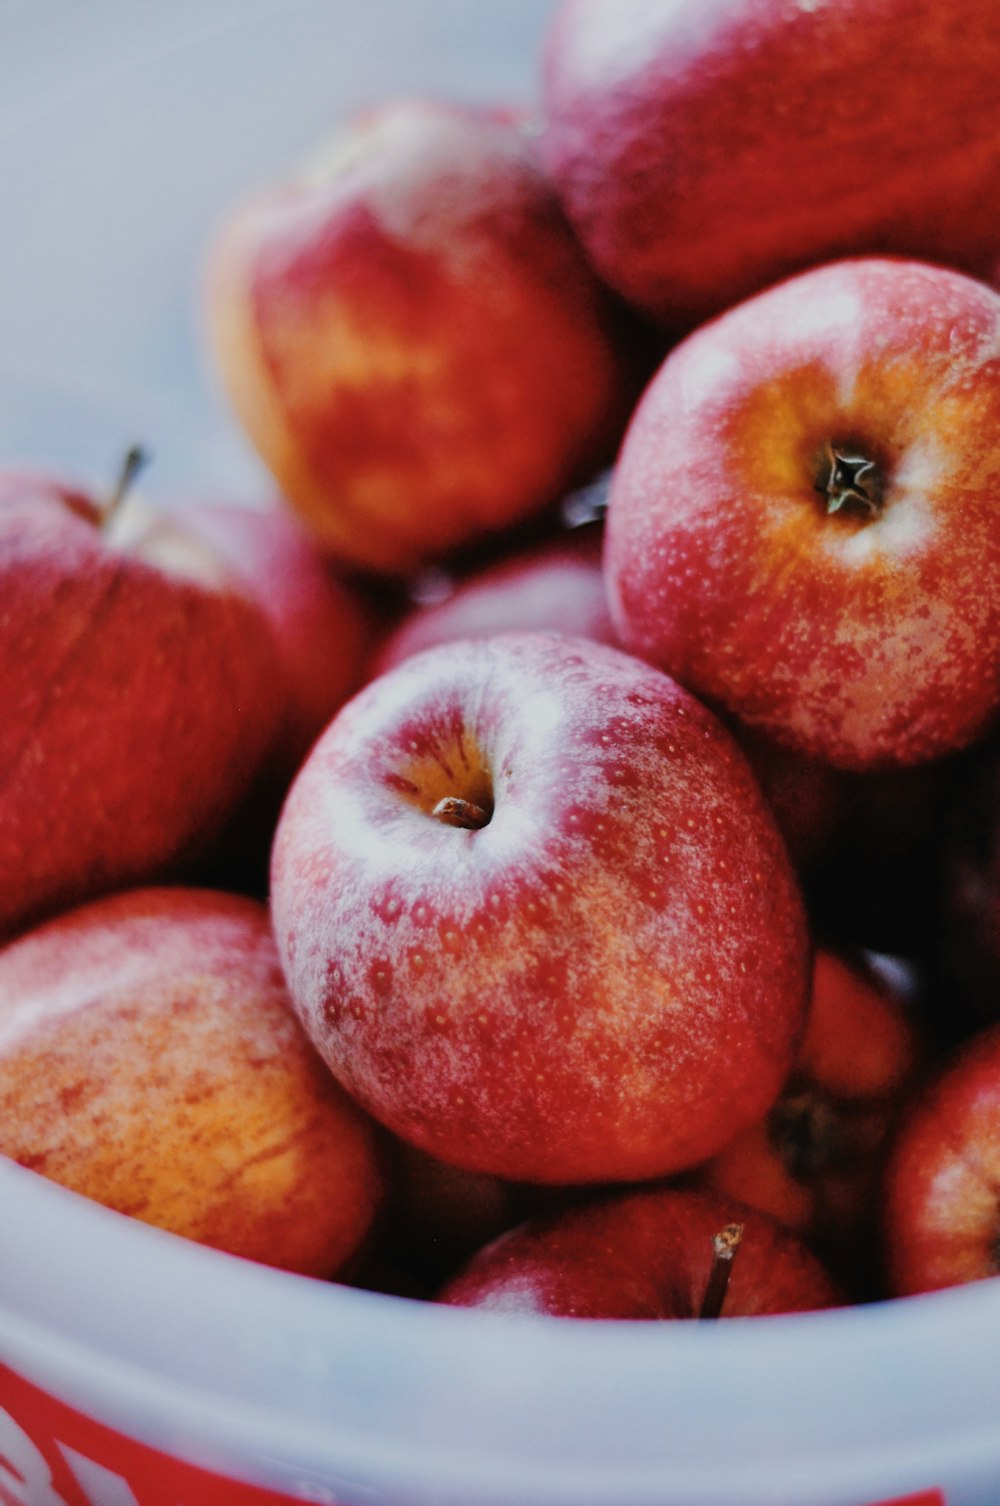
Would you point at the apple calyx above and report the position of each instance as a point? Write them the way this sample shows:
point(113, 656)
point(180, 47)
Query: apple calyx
point(724, 1247)
point(849, 481)
point(454, 811)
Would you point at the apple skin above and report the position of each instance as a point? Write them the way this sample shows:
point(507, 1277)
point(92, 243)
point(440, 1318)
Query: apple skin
point(643, 1254)
point(941, 1206)
point(412, 338)
point(556, 586)
point(815, 1162)
point(141, 695)
point(870, 641)
point(705, 150)
point(321, 623)
point(150, 1060)
point(608, 980)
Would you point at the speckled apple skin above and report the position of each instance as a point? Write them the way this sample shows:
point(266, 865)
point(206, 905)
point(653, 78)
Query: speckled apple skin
point(867, 642)
point(942, 1203)
point(705, 149)
point(140, 694)
point(642, 1255)
point(412, 338)
point(604, 982)
point(150, 1060)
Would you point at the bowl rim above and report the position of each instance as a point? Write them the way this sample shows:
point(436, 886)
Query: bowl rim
point(164, 1339)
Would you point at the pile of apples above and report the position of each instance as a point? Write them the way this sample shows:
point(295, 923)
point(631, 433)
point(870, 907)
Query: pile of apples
point(428, 883)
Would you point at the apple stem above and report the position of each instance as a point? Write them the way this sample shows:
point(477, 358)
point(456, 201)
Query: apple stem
point(134, 461)
point(454, 811)
point(724, 1247)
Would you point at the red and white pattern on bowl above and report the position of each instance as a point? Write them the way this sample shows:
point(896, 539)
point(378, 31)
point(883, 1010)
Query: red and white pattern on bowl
point(52, 1455)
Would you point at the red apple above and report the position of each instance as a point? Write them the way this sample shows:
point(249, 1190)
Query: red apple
point(149, 1059)
point(803, 521)
point(806, 795)
point(413, 339)
point(321, 623)
point(646, 1254)
point(557, 586)
point(815, 1161)
point(536, 916)
point(706, 149)
point(141, 694)
point(942, 1209)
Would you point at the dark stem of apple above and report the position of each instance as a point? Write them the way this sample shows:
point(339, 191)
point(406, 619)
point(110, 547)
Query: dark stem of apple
point(454, 811)
point(724, 1247)
point(849, 481)
point(134, 460)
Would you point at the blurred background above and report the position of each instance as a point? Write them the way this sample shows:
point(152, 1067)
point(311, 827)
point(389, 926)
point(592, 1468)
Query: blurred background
point(124, 131)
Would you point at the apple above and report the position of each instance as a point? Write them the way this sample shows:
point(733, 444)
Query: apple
point(555, 586)
point(645, 1254)
point(150, 1060)
point(803, 519)
point(141, 695)
point(536, 917)
point(412, 338)
point(941, 1206)
point(705, 150)
point(322, 626)
point(321, 622)
point(815, 1161)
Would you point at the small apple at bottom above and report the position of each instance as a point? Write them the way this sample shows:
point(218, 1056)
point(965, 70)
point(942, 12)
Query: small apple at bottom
point(942, 1202)
point(653, 1254)
point(803, 519)
point(536, 917)
point(150, 1060)
point(815, 1161)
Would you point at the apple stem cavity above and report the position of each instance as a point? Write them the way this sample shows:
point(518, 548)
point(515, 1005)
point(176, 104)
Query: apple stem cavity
point(454, 811)
point(135, 460)
point(724, 1247)
point(849, 481)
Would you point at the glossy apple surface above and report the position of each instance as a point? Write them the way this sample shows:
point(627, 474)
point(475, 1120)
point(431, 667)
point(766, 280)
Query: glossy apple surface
point(647, 1255)
point(803, 519)
point(150, 1060)
point(141, 695)
point(604, 976)
point(706, 148)
point(412, 337)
